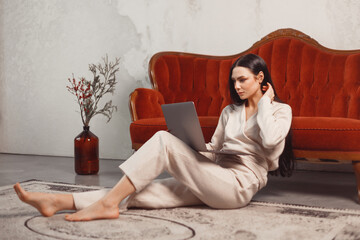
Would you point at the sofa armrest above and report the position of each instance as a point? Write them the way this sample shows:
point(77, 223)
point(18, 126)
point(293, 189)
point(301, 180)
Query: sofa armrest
point(145, 103)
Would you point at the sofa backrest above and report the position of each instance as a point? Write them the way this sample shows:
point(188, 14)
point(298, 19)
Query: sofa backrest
point(312, 79)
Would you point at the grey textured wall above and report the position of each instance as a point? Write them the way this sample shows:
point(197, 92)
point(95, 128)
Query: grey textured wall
point(42, 42)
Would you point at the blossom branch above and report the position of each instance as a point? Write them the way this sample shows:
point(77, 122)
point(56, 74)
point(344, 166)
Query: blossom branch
point(89, 93)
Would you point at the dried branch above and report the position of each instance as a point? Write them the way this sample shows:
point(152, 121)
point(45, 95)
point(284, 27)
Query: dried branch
point(89, 93)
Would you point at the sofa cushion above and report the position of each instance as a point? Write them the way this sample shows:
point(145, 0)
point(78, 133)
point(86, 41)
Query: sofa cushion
point(326, 134)
point(143, 129)
point(309, 133)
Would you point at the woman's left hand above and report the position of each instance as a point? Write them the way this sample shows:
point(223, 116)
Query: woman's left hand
point(269, 91)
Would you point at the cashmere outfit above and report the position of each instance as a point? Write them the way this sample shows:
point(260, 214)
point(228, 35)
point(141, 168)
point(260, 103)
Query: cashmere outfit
point(217, 180)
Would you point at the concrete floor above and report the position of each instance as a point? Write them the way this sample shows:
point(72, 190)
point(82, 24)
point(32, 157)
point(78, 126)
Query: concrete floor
point(312, 188)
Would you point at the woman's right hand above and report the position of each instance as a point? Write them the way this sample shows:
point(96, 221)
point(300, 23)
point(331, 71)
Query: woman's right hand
point(269, 91)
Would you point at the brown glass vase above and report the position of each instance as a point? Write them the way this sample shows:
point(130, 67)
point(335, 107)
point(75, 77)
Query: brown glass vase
point(86, 152)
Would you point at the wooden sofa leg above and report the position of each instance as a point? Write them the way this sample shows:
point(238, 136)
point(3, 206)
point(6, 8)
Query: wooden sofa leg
point(356, 165)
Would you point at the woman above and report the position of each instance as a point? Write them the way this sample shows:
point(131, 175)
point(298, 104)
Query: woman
point(256, 124)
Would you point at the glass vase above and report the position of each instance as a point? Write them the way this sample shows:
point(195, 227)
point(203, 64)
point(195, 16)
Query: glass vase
point(86, 152)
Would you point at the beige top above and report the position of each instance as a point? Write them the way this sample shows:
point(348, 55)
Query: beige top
point(261, 137)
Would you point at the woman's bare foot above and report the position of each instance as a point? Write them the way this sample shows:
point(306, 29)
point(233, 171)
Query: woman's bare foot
point(101, 209)
point(46, 203)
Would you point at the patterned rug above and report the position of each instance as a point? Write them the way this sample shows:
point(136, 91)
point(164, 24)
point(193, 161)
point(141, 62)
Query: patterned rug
point(259, 220)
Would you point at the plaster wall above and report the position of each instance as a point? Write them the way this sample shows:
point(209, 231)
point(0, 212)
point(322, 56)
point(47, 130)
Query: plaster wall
point(43, 42)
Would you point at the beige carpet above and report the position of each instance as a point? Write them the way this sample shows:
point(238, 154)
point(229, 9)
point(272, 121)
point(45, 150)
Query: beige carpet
point(256, 221)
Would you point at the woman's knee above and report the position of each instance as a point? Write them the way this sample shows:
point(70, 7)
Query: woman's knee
point(227, 204)
point(162, 139)
point(227, 200)
point(163, 135)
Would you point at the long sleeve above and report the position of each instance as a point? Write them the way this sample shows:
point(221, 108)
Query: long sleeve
point(274, 121)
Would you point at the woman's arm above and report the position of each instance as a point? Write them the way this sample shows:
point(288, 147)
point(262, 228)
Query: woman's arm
point(274, 121)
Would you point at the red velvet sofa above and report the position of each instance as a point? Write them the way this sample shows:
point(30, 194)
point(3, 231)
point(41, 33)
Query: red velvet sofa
point(321, 85)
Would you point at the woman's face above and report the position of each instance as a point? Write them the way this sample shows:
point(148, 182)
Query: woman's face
point(247, 84)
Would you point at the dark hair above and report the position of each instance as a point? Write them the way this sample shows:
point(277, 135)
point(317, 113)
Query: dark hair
point(256, 65)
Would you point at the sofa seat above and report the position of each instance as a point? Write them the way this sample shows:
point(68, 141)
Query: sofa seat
point(143, 129)
point(309, 133)
point(326, 134)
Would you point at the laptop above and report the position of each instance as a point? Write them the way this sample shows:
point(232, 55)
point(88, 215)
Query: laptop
point(182, 121)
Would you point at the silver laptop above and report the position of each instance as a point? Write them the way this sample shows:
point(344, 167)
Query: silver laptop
point(182, 121)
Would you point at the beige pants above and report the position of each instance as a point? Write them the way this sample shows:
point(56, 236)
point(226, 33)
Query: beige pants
point(197, 179)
